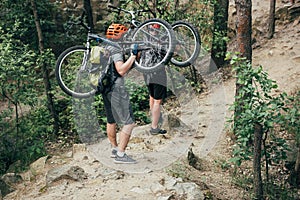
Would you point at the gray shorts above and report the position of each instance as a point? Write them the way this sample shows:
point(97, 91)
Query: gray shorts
point(117, 104)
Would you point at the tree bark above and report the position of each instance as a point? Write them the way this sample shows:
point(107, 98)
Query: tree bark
point(46, 79)
point(89, 12)
point(257, 180)
point(271, 29)
point(219, 45)
point(297, 169)
point(244, 28)
point(244, 41)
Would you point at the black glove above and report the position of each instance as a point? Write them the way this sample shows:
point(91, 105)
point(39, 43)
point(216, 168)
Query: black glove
point(134, 49)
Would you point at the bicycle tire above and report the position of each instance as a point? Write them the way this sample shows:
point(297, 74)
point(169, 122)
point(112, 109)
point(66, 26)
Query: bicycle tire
point(68, 71)
point(161, 43)
point(188, 44)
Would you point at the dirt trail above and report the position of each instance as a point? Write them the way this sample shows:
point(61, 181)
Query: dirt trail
point(280, 57)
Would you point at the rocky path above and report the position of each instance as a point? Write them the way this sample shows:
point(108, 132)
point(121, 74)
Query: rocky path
point(88, 173)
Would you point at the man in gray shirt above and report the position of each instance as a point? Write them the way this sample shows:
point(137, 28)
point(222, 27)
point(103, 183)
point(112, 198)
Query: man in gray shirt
point(116, 100)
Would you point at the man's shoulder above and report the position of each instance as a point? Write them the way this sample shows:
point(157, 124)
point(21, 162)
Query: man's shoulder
point(115, 53)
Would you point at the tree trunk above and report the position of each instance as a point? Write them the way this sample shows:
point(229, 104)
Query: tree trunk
point(244, 41)
point(297, 168)
point(257, 180)
point(271, 19)
point(244, 28)
point(89, 12)
point(45, 71)
point(219, 45)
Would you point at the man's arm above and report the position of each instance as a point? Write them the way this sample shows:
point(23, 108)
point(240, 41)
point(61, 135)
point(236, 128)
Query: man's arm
point(123, 67)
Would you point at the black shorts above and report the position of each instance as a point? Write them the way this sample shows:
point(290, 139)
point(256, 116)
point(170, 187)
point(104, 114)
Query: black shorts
point(117, 106)
point(157, 91)
point(157, 84)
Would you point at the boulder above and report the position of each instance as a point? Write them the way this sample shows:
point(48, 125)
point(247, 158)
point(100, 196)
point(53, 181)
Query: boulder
point(7, 181)
point(74, 173)
point(38, 166)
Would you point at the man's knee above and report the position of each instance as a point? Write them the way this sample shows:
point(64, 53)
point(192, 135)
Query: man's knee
point(157, 101)
point(127, 129)
point(111, 125)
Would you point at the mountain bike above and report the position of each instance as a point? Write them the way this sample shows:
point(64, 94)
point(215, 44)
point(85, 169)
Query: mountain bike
point(188, 41)
point(73, 66)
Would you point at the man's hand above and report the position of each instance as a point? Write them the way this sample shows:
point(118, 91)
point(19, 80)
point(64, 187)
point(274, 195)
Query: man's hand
point(134, 49)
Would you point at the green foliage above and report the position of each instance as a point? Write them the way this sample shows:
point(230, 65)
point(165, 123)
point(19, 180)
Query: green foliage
point(22, 131)
point(19, 12)
point(291, 116)
point(17, 82)
point(139, 99)
point(280, 191)
point(26, 145)
point(256, 105)
point(179, 170)
point(99, 105)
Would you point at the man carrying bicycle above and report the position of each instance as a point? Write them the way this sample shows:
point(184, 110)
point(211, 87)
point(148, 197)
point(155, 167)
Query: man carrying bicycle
point(156, 83)
point(116, 101)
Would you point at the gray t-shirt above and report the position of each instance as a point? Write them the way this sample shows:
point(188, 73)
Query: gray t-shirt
point(116, 55)
point(117, 102)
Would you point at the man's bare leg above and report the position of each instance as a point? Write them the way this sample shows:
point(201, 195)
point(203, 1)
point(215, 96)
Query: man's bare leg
point(155, 113)
point(112, 134)
point(125, 136)
point(124, 139)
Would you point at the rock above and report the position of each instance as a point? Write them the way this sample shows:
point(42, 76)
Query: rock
point(170, 183)
point(139, 190)
point(270, 53)
point(193, 160)
point(115, 175)
point(165, 197)
point(12, 178)
point(79, 152)
point(79, 148)
point(192, 191)
point(282, 14)
point(7, 181)
point(5, 188)
point(156, 187)
point(294, 11)
point(65, 172)
point(296, 22)
point(296, 59)
point(15, 166)
point(37, 166)
point(173, 121)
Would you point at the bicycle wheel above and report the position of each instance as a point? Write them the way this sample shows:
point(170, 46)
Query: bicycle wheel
point(72, 72)
point(188, 44)
point(156, 41)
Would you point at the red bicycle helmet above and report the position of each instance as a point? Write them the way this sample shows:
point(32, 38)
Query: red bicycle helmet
point(157, 26)
point(115, 31)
